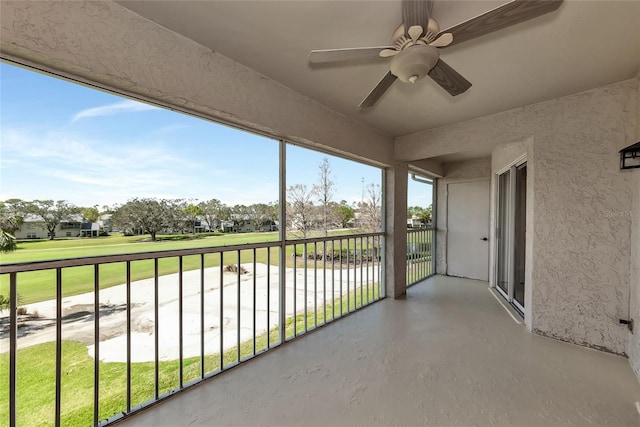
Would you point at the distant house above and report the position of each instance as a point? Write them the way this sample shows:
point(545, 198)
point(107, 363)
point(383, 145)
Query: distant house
point(243, 224)
point(199, 226)
point(89, 229)
point(228, 227)
point(415, 222)
point(105, 222)
point(33, 227)
point(269, 226)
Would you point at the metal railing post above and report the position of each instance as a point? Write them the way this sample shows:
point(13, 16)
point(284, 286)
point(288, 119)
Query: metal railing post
point(13, 342)
point(58, 345)
point(96, 344)
point(282, 234)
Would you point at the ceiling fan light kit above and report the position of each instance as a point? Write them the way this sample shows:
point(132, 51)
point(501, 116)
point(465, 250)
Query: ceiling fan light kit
point(414, 51)
point(414, 63)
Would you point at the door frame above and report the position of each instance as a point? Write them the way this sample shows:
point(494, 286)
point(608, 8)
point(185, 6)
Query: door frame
point(445, 218)
point(509, 296)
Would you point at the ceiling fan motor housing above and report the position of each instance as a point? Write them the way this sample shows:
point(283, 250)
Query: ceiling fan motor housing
point(414, 62)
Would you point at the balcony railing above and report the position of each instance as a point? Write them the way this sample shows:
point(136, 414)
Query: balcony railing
point(420, 250)
point(178, 317)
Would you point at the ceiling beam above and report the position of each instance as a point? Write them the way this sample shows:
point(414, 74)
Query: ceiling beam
point(427, 167)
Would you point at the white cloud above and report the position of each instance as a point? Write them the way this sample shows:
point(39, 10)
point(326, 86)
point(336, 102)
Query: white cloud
point(90, 171)
point(127, 106)
point(248, 192)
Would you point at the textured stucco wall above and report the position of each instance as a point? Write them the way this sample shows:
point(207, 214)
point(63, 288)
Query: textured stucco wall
point(634, 338)
point(581, 252)
point(105, 44)
point(469, 170)
point(581, 246)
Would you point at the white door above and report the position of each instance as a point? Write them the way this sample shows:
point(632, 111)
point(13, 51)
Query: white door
point(468, 229)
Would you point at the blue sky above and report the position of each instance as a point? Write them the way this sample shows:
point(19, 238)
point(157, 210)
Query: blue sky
point(63, 141)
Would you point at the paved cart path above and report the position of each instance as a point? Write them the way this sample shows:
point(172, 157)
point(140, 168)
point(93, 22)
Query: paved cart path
point(78, 311)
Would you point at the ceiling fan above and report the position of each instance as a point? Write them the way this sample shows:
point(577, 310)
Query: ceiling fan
point(415, 44)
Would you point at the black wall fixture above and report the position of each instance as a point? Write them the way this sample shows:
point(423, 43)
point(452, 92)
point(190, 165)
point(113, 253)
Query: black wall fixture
point(630, 157)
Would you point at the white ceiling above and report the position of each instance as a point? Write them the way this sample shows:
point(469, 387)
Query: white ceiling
point(584, 44)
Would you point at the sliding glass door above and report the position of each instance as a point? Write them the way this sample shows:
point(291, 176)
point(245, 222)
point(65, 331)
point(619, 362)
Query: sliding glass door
point(503, 228)
point(520, 236)
point(511, 218)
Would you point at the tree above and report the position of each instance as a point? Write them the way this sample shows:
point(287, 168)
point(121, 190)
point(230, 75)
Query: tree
point(177, 219)
point(91, 214)
point(12, 212)
point(371, 208)
point(7, 241)
point(147, 215)
point(106, 209)
point(421, 213)
point(213, 211)
point(258, 214)
point(52, 213)
point(11, 218)
point(273, 211)
point(343, 213)
point(240, 214)
point(300, 208)
point(193, 212)
point(14, 208)
point(324, 190)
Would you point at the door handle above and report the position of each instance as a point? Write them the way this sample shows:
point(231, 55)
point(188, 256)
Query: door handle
point(484, 238)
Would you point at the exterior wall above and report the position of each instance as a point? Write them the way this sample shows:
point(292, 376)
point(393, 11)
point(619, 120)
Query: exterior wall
point(107, 45)
point(581, 249)
point(634, 338)
point(469, 170)
point(31, 227)
point(41, 231)
point(581, 256)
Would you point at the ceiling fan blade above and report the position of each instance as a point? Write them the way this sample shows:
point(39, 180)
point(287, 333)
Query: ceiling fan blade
point(378, 91)
point(333, 55)
point(501, 17)
point(443, 41)
point(415, 32)
point(386, 53)
point(416, 13)
point(449, 78)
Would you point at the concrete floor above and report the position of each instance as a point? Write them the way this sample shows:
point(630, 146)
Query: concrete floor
point(447, 355)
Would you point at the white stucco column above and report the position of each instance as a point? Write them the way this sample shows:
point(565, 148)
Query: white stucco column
point(395, 198)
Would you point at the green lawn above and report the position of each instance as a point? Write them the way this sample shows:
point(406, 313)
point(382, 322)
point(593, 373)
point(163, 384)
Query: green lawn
point(36, 373)
point(418, 255)
point(420, 237)
point(40, 250)
point(40, 285)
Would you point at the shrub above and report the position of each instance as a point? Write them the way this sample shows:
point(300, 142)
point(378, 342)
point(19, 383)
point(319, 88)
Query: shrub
point(4, 302)
point(7, 242)
point(233, 268)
